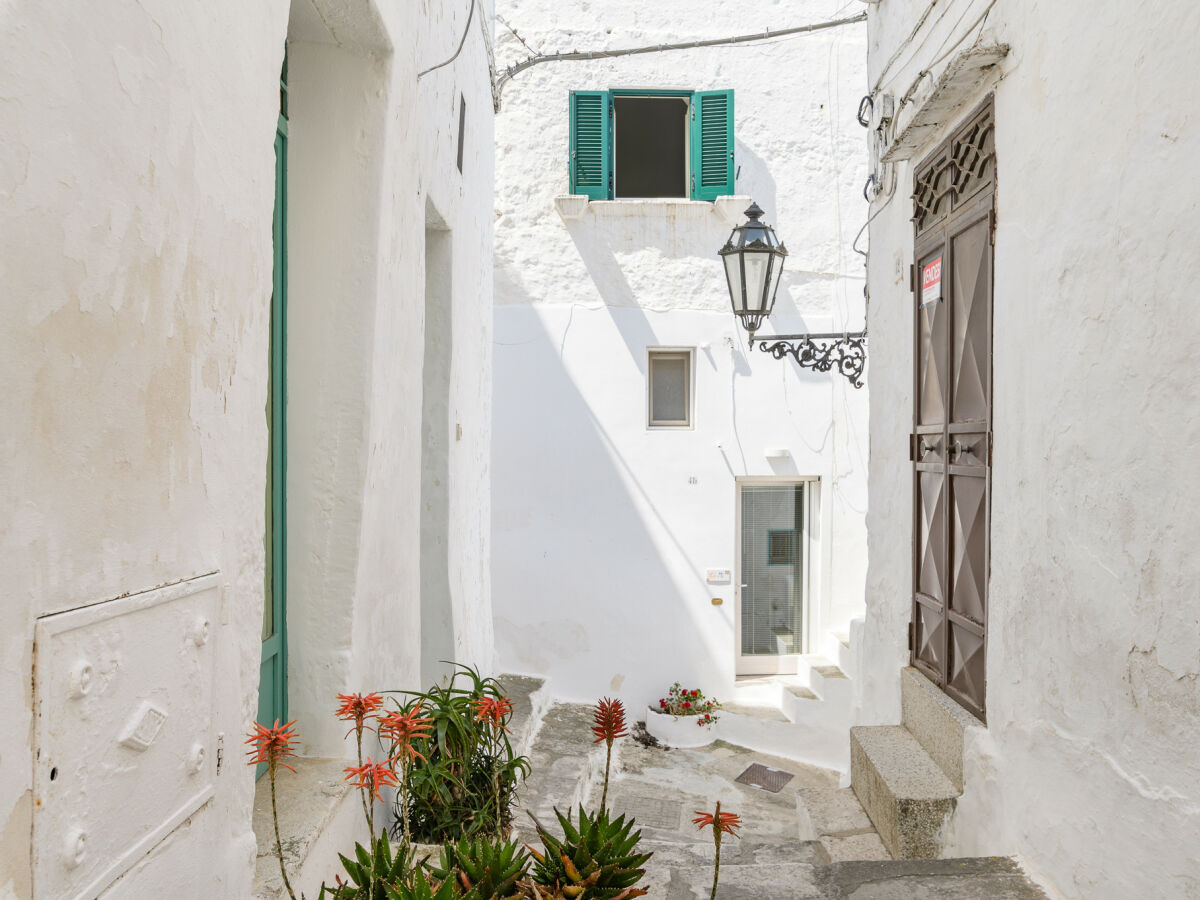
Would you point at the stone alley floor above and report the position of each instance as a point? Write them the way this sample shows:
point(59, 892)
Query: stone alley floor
point(809, 840)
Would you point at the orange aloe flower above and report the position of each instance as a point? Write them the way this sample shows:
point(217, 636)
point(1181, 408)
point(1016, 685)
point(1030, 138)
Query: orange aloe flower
point(493, 711)
point(272, 745)
point(357, 709)
point(372, 776)
point(402, 728)
point(718, 821)
point(609, 717)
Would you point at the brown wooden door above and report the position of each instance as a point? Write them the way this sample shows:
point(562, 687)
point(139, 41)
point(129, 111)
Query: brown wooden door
point(951, 441)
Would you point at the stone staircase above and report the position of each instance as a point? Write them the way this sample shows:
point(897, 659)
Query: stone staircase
point(812, 841)
point(804, 716)
point(908, 777)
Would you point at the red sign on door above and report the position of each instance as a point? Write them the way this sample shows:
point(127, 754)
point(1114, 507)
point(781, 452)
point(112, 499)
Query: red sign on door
point(931, 282)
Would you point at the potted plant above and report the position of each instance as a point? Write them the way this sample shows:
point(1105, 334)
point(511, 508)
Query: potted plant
point(683, 718)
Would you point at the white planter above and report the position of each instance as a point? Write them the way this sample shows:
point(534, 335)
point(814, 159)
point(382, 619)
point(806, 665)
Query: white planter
point(679, 731)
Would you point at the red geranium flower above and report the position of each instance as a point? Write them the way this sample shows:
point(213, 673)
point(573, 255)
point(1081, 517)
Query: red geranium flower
point(687, 704)
point(356, 708)
point(372, 776)
point(272, 745)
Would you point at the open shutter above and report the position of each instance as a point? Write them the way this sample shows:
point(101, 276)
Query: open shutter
point(712, 144)
point(591, 144)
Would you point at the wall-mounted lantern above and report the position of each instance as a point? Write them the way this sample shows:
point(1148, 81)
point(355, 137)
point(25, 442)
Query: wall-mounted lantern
point(753, 258)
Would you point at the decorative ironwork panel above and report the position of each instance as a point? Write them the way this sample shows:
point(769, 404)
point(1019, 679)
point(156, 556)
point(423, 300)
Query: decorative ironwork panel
point(932, 191)
point(973, 151)
point(931, 639)
point(968, 540)
point(931, 575)
point(972, 280)
point(846, 354)
point(967, 675)
point(931, 364)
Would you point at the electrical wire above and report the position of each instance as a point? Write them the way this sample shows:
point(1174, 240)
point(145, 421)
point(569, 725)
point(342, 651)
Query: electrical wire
point(766, 34)
point(466, 31)
point(906, 44)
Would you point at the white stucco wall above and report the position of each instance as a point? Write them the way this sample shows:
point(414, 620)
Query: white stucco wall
point(603, 529)
point(1087, 769)
point(136, 189)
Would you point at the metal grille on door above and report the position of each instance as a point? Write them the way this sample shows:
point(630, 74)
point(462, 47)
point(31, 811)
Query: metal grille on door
point(951, 441)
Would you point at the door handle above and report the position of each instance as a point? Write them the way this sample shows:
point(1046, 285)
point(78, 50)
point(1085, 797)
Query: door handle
point(926, 448)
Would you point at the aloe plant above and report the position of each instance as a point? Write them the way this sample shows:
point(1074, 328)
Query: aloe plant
point(463, 774)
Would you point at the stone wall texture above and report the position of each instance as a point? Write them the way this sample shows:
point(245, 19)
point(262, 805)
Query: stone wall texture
point(137, 187)
point(604, 529)
point(1086, 769)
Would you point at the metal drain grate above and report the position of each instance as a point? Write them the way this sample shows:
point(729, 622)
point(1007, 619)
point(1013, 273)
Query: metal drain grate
point(766, 779)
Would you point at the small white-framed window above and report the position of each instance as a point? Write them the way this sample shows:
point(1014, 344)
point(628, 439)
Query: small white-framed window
point(669, 387)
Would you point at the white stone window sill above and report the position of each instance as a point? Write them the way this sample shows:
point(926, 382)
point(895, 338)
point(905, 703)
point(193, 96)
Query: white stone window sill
point(726, 209)
point(320, 815)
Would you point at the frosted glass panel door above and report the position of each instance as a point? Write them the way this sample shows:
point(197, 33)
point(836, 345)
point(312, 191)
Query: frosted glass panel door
point(773, 578)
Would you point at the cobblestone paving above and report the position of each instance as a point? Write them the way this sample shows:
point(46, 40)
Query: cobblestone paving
point(809, 840)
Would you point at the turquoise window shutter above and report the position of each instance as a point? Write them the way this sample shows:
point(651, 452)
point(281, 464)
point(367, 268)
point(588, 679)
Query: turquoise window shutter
point(591, 144)
point(712, 144)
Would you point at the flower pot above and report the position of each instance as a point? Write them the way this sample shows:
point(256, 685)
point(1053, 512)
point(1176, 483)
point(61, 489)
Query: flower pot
point(679, 731)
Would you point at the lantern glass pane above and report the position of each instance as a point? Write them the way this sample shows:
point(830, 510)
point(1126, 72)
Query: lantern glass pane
point(733, 271)
point(756, 277)
point(776, 272)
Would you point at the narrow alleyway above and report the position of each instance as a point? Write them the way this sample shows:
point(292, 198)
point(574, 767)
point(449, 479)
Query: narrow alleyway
point(811, 839)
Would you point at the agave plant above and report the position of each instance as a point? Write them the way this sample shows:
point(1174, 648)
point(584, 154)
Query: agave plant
point(374, 873)
point(421, 888)
point(595, 860)
point(491, 869)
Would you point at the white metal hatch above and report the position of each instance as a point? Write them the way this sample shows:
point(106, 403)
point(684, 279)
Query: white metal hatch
point(123, 693)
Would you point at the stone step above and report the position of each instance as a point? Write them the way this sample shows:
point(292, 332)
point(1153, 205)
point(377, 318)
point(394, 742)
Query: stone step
point(530, 699)
point(819, 739)
point(991, 877)
point(828, 680)
point(938, 723)
point(836, 646)
point(902, 789)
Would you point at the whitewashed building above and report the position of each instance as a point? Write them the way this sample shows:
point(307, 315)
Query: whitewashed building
point(1033, 427)
point(634, 429)
point(246, 356)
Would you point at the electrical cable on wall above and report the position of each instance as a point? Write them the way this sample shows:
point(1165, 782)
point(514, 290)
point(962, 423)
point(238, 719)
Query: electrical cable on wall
point(466, 31)
point(766, 34)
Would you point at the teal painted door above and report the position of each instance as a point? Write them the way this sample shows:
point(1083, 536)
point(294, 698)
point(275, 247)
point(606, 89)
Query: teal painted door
point(272, 691)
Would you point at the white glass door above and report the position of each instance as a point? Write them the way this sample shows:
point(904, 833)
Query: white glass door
point(773, 564)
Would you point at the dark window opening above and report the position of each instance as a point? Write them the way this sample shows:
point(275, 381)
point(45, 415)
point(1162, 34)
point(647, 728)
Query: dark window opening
point(781, 548)
point(462, 127)
point(651, 146)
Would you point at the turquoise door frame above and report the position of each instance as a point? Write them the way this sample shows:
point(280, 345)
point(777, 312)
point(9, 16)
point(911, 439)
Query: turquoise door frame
point(272, 691)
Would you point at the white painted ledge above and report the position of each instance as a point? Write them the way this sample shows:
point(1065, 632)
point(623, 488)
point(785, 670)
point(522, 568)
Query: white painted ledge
point(727, 210)
point(320, 816)
point(956, 85)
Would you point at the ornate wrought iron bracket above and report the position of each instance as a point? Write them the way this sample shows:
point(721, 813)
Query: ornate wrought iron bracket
point(846, 352)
